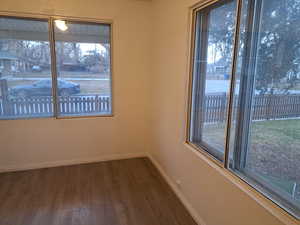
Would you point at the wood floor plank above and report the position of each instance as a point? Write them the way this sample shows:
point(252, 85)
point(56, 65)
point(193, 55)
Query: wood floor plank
point(121, 192)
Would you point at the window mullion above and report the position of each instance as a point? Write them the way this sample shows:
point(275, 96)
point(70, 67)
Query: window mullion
point(247, 84)
point(232, 82)
point(53, 67)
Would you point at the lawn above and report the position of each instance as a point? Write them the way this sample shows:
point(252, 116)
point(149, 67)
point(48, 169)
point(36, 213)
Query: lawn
point(274, 149)
point(64, 74)
point(100, 87)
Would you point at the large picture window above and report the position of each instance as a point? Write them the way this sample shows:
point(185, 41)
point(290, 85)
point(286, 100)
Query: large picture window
point(54, 68)
point(245, 98)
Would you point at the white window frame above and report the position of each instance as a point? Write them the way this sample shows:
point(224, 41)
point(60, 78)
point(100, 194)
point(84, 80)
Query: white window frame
point(50, 20)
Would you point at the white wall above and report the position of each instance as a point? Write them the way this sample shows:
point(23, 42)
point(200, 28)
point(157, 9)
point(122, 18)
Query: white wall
point(212, 192)
point(39, 142)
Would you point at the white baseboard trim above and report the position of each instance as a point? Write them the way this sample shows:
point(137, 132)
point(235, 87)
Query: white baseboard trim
point(178, 192)
point(68, 162)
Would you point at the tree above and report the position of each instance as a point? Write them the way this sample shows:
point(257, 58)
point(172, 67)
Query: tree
point(278, 56)
point(279, 44)
point(221, 31)
point(93, 59)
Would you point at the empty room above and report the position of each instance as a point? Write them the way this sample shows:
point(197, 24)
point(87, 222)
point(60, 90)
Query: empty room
point(150, 112)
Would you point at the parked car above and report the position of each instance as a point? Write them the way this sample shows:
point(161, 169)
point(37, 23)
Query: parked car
point(36, 69)
point(44, 88)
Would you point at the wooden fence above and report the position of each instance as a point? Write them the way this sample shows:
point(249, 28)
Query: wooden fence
point(43, 106)
point(265, 107)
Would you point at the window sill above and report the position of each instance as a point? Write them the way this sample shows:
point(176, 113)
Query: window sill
point(266, 203)
point(57, 118)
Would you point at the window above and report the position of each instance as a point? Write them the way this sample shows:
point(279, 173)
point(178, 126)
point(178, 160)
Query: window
point(83, 69)
point(33, 85)
point(212, 66)
point(24, 68)
point(253, 129)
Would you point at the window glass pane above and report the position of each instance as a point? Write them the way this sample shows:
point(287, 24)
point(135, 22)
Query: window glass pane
point(25, 75)
point(83, 67)
point(215, 28)
point(266, 149)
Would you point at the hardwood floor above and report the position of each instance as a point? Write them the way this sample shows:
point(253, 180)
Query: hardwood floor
point(122, 192)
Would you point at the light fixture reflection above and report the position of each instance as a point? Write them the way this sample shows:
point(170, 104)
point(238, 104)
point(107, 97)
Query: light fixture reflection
point(61, 24)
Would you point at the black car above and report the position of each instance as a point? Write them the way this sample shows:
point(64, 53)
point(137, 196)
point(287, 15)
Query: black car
point(44, 88)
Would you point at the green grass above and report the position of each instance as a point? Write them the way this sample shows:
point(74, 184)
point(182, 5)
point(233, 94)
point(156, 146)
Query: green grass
point(285, 130)
point(274, 149)
point(64, 74)
point(283, 185)
point(276, 133)
point(100, 87)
